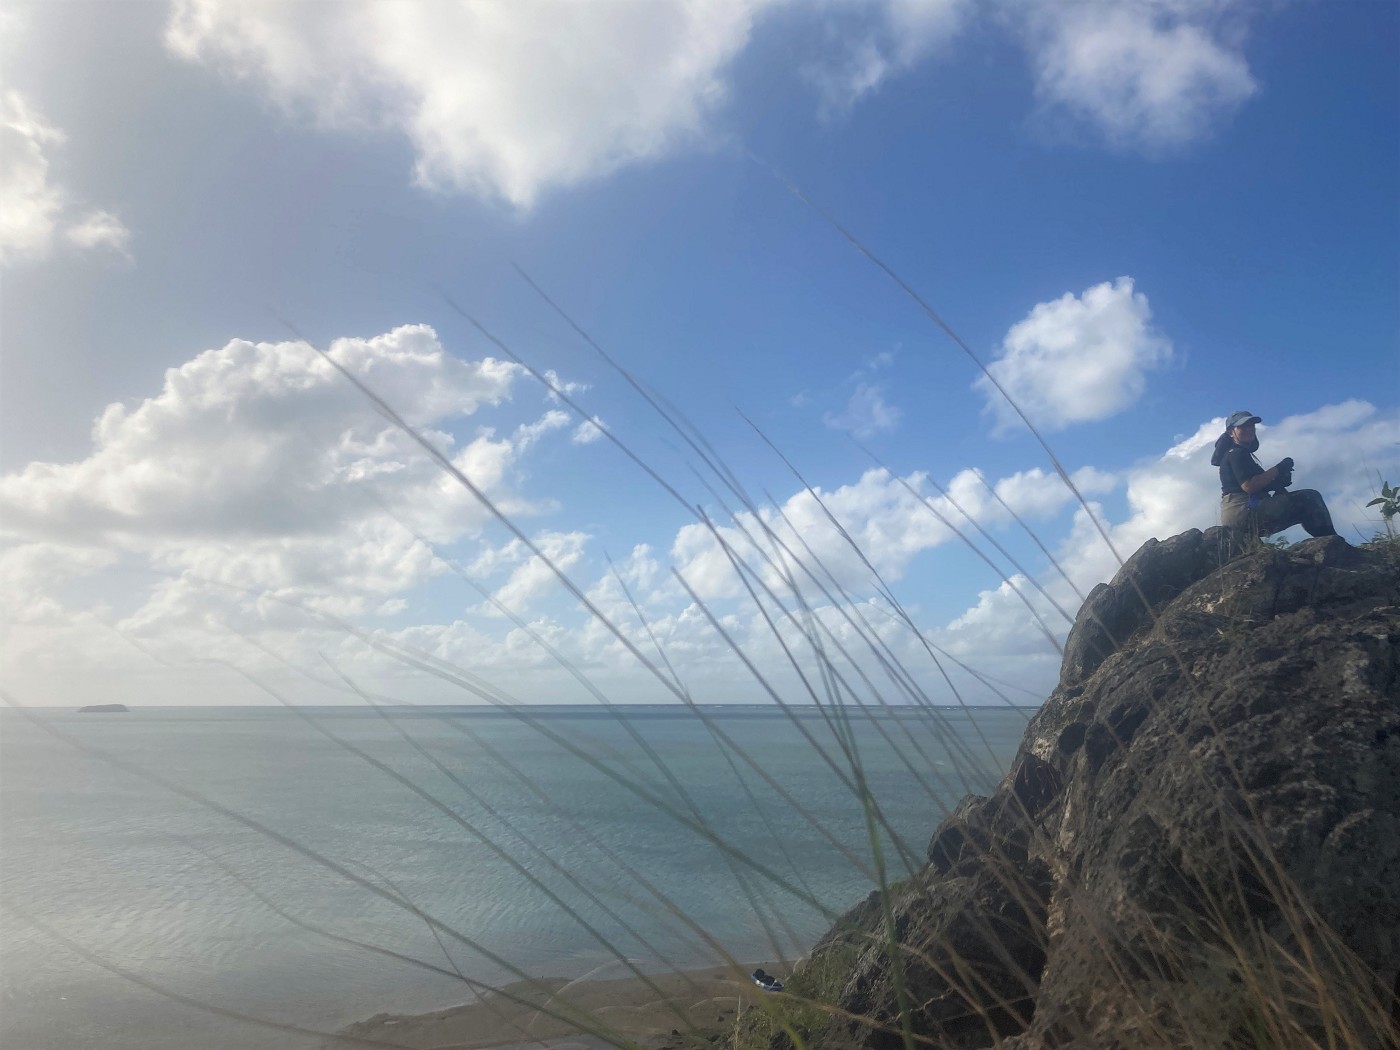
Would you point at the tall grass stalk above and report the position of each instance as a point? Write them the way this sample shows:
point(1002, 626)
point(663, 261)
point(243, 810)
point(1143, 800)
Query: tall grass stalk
point(852, 678)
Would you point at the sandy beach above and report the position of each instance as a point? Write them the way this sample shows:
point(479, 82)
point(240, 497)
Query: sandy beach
point(575, 1015)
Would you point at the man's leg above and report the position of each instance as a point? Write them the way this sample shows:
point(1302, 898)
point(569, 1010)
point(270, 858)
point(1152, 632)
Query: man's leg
point(1312, 512)
point(1275, 513)
point(1304, 507)
point(1241, 525)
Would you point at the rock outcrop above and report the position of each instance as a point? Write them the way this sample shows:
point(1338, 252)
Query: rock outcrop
point(1198, 843)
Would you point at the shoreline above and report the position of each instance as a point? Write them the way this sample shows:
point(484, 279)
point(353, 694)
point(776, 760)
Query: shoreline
point(514, 1017)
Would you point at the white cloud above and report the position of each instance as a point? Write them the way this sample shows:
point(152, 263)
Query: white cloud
point(866, 414)
point(528, 433)
point(503, 100)
point(256, 493)
point(99, 229)
point(236, 593)
point(258, 484)
point(871, 42)
point(29, 205)
point(1150, 74)
point(266, 439)
point(892, 521)
point(511, 100)
point(557, 386)
point(1038, 493)
point(1076, 360)
point(589, 431)
point(31, 573)
point(642, 576)
point(1008, 621)
point(34, 210)
point(534, 576)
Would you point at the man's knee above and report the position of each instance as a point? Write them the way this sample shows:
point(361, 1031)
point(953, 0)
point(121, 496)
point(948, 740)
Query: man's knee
point(1317, 519)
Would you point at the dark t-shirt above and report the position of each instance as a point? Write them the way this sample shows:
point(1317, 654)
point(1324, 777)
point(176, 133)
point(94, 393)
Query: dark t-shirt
point(1237, 466)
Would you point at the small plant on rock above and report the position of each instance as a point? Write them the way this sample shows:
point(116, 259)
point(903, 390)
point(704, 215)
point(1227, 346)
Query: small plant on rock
point(1389, 503)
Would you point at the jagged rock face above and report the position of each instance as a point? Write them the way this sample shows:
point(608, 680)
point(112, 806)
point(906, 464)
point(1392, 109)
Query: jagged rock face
point(1199, 841)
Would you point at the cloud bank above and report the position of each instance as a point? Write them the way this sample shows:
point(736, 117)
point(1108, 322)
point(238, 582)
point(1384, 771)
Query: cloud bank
point(253, 507)
point(267, 440)
point(257, 485)
point(508, 101)
point(1076, 359)
point(497, 99)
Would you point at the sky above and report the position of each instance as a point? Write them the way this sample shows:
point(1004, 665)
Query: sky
point(645, 290)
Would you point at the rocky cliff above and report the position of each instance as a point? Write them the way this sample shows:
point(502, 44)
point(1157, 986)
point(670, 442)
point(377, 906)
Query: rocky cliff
point(1198, 843)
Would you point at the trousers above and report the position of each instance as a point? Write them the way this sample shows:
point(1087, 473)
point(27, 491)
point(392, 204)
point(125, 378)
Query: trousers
point(1276, 512)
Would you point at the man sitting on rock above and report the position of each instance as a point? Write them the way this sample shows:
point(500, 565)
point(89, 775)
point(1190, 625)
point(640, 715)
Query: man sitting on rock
point(1255, 502)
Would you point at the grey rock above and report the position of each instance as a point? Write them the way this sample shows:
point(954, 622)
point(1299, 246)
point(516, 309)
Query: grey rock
point(1198, 843)
point(1114, 611)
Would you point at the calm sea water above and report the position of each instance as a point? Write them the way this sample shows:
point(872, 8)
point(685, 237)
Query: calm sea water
point(119, 893)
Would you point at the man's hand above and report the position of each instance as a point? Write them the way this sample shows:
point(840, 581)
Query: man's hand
point(1283, 473)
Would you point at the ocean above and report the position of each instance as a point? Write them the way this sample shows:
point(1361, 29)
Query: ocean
point(550, 844)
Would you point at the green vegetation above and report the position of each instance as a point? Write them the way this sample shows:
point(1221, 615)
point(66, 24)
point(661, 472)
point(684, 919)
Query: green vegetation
point(1389, 503)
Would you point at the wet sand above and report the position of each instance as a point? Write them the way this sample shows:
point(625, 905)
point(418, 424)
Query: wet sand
point(575, 1015)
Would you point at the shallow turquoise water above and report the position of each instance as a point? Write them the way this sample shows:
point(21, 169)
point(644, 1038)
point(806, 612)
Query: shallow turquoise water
point(170, 891)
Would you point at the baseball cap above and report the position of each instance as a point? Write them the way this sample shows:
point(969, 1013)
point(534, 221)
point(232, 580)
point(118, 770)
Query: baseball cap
point(1239, 419)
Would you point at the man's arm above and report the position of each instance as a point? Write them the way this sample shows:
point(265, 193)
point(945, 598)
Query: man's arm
point(1252, 480)
point(1260, 482)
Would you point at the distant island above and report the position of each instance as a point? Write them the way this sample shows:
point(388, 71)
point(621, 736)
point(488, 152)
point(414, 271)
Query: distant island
point(105, 709)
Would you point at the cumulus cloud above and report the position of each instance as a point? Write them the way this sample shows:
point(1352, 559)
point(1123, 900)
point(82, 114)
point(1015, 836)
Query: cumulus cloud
point(264, 439)
point(260, 488)
point(31, 573)
point(534, 575)
point(882, 514)
point(238, 597)
point(1038, 493)
point(1076, 359)
point(502, 100)
point(891, 520)
point(35, 211)
point(1010, 620)
point(256, 502)
point(1149, 74)
point(495, 103)
point(639, 574)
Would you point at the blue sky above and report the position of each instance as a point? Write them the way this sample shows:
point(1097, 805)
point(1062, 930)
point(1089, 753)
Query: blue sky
point(1140, 215)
